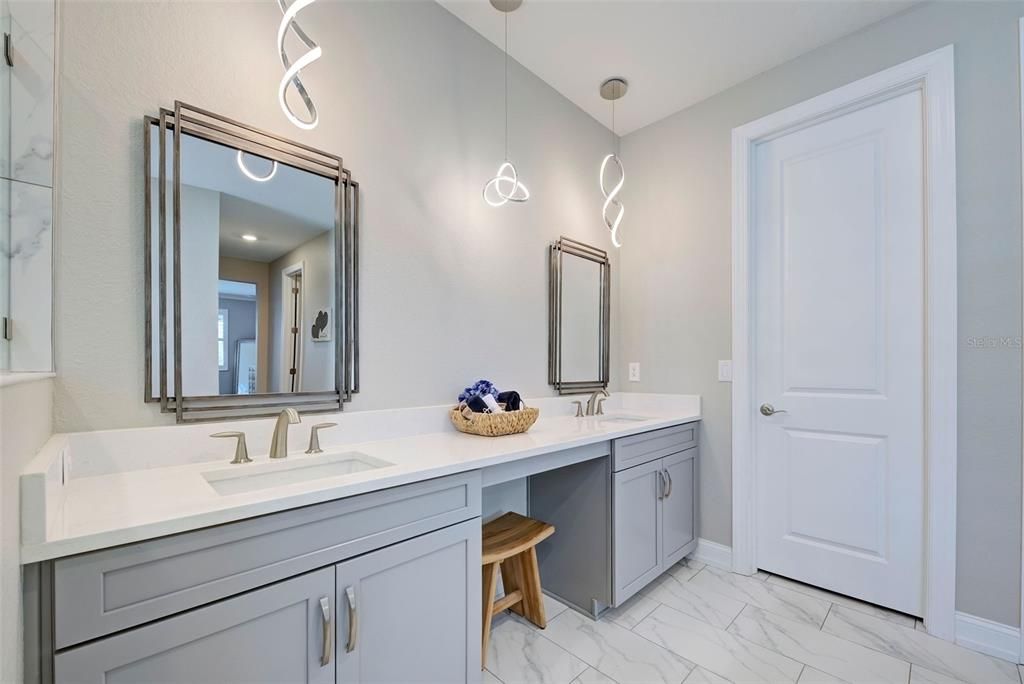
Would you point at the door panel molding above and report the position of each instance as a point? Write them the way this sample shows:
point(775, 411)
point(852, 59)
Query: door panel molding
point(933, 75)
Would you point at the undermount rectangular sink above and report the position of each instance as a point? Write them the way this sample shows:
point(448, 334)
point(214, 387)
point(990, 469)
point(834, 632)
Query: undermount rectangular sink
point(622, 419)
point(242, 479)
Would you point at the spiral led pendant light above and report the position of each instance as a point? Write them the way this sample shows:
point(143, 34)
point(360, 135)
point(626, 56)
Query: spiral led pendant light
point(505, 186)
point(613, 210)
point(292, 71)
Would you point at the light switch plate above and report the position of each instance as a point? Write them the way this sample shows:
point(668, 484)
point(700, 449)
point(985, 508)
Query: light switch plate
point(725, 371)
point(634, 371)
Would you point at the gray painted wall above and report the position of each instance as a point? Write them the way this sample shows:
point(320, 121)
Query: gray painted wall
point(676, 265)
point(452, 290)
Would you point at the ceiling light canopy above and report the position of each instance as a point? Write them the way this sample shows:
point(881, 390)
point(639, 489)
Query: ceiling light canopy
point(292, 71)
point(613, 210)
point(505, 186)
point(249, 237)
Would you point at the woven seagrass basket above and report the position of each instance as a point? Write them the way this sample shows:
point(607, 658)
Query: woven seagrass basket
point(493, 424)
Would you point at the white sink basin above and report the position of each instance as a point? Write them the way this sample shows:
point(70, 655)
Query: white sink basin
point(622, 419)
point(241, 479)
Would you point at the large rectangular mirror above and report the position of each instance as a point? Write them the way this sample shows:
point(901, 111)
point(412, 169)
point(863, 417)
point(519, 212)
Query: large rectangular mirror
point(580, 284)
point(251, 240)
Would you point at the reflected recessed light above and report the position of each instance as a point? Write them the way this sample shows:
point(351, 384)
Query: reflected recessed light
point(250, 238)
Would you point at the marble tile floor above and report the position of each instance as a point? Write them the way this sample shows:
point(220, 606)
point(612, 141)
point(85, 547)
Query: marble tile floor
point(702, 625)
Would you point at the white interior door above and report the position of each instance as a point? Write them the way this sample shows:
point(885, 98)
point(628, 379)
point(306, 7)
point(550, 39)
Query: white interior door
point(838, 331)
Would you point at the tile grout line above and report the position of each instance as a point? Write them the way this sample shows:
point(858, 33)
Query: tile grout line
point(658, 604)
point(672, 653)
point(540, 632)
point(801, 588)
point(900, 659)
point(821, 627)
point(734, 636)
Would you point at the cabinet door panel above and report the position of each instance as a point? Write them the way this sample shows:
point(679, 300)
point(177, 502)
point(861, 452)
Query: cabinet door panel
point(416, 610)
point(274, 634)
point(678, 508)
point(637, 511)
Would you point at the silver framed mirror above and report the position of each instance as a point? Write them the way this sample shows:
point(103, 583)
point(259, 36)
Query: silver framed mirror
point(579, 318)
point(251, 249)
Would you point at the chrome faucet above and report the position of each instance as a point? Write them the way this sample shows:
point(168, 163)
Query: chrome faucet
point(279, 442)
point(594, 403)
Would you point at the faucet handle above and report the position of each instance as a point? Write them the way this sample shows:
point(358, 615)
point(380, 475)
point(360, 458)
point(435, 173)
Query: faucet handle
point(600, 406)
point(579, 408)
point(241, 453)
point(314, 438)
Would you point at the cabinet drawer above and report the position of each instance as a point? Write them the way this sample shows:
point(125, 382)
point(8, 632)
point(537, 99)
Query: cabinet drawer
point(105, 591)
point(636, 449)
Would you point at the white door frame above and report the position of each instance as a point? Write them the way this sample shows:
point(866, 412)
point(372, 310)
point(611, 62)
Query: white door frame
point(287, 302)
point(1020, 649)
point(932, 74)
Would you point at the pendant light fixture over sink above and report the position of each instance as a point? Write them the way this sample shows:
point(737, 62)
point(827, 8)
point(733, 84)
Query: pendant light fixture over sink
point(506, 186)
point(613, 209)
point(293, 70)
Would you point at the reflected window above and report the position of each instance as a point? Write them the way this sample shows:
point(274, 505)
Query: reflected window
point(222, 336)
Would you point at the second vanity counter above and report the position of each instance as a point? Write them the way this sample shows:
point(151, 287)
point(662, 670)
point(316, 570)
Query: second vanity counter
point(64, 514)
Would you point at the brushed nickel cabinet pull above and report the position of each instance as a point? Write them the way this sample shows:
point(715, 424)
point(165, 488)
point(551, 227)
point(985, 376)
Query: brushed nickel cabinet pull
point(668, 476)
point(353, 620)
point(8, 52)
point(325, 611)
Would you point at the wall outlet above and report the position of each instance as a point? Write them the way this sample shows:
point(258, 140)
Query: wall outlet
point(725, 371)
point(634, 371)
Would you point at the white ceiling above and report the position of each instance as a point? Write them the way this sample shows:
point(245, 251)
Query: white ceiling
point(674, 53)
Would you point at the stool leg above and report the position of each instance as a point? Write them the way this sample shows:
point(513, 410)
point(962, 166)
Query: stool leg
point(533, 597)
point(490, 581)
point(512, 579)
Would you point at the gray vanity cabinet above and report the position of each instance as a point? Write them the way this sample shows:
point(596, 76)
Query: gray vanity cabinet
point(273, 634)
point(380, 587)
point(408, 613)
point(655, 505)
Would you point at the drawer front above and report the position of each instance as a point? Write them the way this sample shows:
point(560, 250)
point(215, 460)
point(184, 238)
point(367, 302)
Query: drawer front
point(636, 449)
point(106, 591)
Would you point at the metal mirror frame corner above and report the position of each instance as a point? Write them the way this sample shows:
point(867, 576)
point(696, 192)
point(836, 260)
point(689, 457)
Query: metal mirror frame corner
point(185, 118)
point(557, 252)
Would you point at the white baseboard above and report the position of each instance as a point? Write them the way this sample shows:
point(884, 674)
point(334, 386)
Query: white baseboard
point(986, 636)
point(713, 553)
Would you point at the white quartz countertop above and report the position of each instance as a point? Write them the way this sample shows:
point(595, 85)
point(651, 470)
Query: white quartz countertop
point(104, 510)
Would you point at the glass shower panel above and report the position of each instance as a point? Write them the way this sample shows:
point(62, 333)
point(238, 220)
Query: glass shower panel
point(5, 189)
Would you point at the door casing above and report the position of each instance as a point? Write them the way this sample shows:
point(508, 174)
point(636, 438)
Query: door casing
point(933, 75)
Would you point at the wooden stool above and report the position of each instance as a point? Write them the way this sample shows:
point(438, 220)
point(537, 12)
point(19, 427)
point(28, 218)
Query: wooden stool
point(510, 542)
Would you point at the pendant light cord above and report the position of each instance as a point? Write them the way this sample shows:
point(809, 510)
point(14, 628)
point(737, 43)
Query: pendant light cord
point(506, 86)
point(615, 139)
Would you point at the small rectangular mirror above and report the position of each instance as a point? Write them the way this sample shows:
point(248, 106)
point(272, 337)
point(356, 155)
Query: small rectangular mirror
point(578, 354)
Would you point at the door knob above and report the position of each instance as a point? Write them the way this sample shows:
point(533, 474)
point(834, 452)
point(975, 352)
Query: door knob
point(769, 410)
